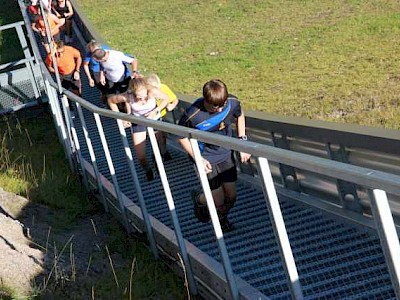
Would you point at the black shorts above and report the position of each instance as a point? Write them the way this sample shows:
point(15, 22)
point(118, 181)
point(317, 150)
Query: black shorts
point(69, 83)
point(117, 87)
point(222, 172)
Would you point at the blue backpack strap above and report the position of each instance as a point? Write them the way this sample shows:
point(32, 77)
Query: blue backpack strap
point(213, 121)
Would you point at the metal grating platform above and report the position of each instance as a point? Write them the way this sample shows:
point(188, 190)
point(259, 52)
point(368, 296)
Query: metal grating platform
point(17, 94)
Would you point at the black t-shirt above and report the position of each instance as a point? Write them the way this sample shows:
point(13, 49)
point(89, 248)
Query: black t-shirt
point(197, 113)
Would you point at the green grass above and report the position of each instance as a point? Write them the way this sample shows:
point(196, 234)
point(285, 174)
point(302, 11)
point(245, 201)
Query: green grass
point(10, 48)
point(33, 165)
point(6, 292)
point(327, 60)
point(150, 278)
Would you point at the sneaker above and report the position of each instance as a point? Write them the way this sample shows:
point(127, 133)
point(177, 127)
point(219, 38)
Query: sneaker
point(149, 175)
point(200, 210)
point(166, 156)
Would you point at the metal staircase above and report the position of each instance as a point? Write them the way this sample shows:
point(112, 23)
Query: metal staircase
point(336, 257)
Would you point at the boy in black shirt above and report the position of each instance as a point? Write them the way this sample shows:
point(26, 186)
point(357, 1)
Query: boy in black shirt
point(215, 112)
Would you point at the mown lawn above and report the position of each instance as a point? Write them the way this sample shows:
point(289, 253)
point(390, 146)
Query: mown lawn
point(328, 59)
point(10, 48)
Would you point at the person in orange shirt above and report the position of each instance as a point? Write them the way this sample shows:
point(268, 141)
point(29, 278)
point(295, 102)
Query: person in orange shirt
point(39, 26)
point(69, 62)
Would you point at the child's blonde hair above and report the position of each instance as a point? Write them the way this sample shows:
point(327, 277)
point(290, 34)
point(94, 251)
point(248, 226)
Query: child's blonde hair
point(153, 80)
point(137, 84)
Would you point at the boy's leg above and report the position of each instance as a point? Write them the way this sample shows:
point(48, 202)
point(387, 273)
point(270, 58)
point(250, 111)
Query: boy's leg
point(162, 143)
point(228, 177)
point(229, 195)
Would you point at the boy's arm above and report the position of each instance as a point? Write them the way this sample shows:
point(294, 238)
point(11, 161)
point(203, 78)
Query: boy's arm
point(87, 72)
point(241, 131)
point(134, 66)
point(114, 100)
point(78, 63)
point(185, 143)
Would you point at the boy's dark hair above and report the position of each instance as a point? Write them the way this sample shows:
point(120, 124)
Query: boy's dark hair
point(215, 92)
point(99, 54)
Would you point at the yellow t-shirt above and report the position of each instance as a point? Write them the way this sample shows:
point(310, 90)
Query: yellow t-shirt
point(172, 97)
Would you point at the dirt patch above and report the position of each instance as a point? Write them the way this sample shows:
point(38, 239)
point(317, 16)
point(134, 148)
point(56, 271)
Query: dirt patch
point(35, 257)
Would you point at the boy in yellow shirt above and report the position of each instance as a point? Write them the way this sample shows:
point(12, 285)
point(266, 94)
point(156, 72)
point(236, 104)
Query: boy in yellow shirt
point(154, 81)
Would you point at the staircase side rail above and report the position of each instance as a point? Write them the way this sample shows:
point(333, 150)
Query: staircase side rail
point(362, 176)
point(15, 63)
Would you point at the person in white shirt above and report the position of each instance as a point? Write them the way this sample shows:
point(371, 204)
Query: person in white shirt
point(114, 74)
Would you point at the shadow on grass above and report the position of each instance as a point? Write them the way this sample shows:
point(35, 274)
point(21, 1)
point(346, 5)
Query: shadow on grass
point(86, 253)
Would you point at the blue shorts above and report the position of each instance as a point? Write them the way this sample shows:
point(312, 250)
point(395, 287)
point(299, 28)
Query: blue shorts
point(140, 128)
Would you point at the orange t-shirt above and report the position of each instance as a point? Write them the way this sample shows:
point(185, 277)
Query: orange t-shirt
point(53, 26)
point(66, 61)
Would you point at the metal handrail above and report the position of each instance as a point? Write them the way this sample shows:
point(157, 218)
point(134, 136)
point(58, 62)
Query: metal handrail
point(363, 176)
point(16, 63)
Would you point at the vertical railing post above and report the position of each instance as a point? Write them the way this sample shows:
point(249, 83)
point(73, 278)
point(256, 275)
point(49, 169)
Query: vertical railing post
point(112, 171)
point(92, 156)
point(278, 225)
point(27, 54)
point(128, 152)
point(172, 210)
point(215, 220)
point(66, 119)
point(387, 235)
point(55, 105)
point(76, 142)
point(57, 124)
